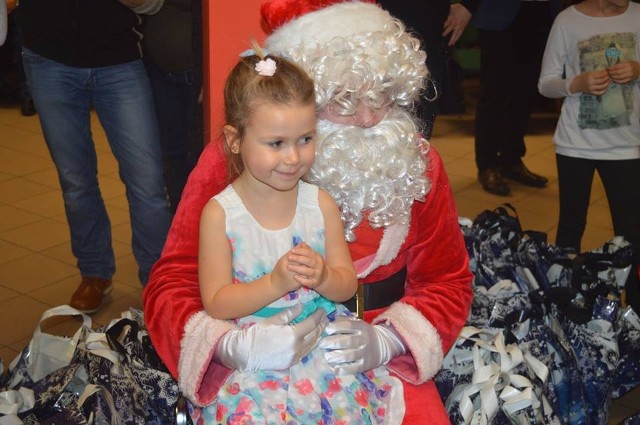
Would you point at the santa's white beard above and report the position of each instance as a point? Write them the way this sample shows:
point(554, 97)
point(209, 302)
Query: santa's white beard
point(377, 171)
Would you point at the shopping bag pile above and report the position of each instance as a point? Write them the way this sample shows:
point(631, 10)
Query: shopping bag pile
point(110, 375)
point(549, 338)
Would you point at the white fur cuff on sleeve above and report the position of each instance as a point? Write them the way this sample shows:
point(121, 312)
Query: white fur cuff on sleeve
point(201, 335)
point(421, 337)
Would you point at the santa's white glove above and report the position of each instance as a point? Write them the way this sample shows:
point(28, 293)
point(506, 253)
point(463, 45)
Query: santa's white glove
point(354, 345)
point(272, 344)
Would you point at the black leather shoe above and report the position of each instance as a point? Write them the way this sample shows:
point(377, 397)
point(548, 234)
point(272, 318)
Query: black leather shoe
point(492, 181)
point(521, 174)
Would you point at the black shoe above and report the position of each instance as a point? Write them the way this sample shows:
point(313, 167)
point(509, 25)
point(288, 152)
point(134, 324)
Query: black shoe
point(492, 181)
point(521, 174)
point(27, 108)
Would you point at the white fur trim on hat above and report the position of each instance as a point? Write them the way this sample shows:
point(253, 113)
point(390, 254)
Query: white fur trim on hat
point(319, 27)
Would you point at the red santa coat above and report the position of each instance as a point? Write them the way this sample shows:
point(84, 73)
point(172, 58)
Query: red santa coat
point(433, 310)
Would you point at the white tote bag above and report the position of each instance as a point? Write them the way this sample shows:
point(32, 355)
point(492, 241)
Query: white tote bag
point(49, 352)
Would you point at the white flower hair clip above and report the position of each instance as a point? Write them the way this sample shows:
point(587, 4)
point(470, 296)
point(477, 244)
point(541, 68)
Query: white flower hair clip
point(266, 67)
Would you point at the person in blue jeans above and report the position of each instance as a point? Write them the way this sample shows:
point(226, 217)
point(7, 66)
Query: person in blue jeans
point(81, 55)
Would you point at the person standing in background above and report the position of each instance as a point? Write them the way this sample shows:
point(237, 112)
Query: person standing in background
point(512, 35)
point(439, 30)
point(83, 54)
point(429, 28)
point(172, 48)
point(592, 61)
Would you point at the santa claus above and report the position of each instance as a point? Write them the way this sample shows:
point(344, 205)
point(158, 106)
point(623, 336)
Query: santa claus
point(396, 203)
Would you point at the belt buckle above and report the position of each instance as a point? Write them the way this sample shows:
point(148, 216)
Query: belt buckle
point(360, 302)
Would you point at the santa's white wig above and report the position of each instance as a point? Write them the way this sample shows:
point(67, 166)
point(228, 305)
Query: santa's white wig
point(355, 51)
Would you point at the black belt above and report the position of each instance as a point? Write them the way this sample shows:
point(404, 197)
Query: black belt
point(379, 294)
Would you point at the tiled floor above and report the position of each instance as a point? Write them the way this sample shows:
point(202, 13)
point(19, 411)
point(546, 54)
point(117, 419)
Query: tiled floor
point(37, 270)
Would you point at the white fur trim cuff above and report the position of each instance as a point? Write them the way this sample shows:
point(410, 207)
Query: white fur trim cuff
point(319, 27)
point(201, 335)
point(421, 337)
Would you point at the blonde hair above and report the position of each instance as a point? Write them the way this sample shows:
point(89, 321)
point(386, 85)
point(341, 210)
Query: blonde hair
point(245, 89)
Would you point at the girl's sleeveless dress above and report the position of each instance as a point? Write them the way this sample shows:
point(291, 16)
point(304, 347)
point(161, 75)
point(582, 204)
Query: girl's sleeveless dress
point(309, 392)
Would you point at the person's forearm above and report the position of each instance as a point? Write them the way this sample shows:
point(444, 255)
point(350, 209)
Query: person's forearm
point(238, 300)
point(339, 285)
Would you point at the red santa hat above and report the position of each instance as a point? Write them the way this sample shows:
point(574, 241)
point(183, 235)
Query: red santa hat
point(290, 23)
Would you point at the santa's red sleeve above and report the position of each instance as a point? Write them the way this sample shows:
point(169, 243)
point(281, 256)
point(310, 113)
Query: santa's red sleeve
point(183, 335)
point(438, 290)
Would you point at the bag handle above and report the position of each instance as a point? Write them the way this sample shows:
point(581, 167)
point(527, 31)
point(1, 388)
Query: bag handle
point(64, 310)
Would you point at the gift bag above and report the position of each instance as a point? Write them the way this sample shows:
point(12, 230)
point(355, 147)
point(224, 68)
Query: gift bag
point(493, 382)
point(145, 386)
point(113, 377)
point(627, 375)
point(47, 352)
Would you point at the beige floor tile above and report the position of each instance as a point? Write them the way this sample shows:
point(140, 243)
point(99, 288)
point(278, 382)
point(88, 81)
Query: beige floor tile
point(7, 294)
point(113, 308)
point(107, 165)
point(459, 183)
point(122, 249)
point(537, 222)
point(541, 202)
point(61, 252)
point(18, 318)
point(28, 142)
point(15, 189)
point(12, 118)
point(48, 177)
point(56, 293)
point(453, 148)
point(594, 236)
point(111, 186)
point(37, 236)
point(121, 232)
point(599, 215)
point(127, 272)
point(7, 354)
point(119, 201)
point(13, 217)
point(117, 215)
point(9, 252)
point(47, 204)
point(33, 271)
point(20, 164)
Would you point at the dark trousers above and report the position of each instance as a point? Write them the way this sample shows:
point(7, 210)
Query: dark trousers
point(621, 181)
point(179, 113)
point(509, 69)
point(428, 107)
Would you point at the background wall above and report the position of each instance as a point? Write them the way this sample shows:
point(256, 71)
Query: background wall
point(228, 28)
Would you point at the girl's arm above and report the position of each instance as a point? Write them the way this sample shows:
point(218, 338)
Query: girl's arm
point(552, 82)
point(333, 277)
point(220, 297)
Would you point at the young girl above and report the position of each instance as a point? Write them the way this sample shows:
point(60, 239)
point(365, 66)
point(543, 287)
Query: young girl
point(269, 241)
point(591, 60)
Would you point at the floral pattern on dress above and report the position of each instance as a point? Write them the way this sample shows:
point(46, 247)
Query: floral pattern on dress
point(309, 392)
